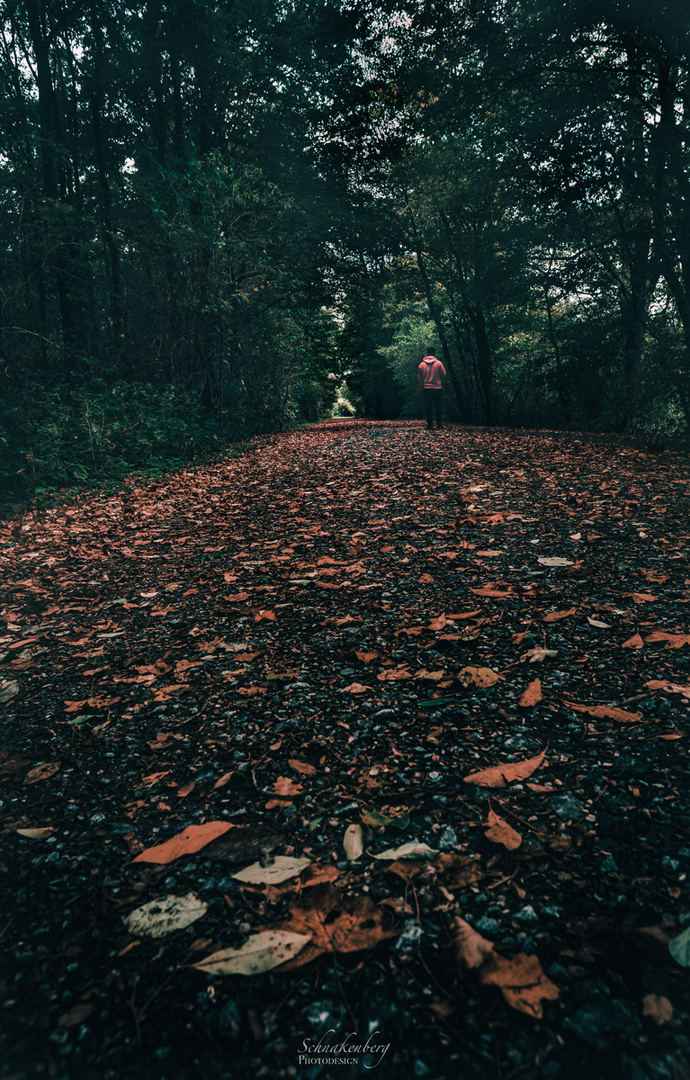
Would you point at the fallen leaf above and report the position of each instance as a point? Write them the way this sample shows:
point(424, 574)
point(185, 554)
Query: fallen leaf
point(479, 677)
point(554, 560)
point(42, 772)
point(499, 776)
point(336, 923)
point(161, 917)
point(193, 839)
point(372, 817)
point(672, 641)
point(606, 712)
point(302, 767)
point(355, 688)
point(500, 832)
point(556, 616)
point(37, 834)
point(353, 842)
point(635, 642)
point(598, 623)
point(531, 696)
point(521, 979)
point(282, 868)
point(262, 952)
point(658, 1007)
point(411, 850)
point(8, 689)
point(679, 948)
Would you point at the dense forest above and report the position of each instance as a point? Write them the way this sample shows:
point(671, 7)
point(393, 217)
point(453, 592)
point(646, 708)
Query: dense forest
point(224, 217)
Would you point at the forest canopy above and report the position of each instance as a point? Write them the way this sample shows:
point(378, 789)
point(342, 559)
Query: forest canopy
point(224, 218)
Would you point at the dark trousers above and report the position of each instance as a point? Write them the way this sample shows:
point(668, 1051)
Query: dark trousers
point(432, 400)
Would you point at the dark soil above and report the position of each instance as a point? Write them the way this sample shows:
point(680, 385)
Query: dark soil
point(262, 643)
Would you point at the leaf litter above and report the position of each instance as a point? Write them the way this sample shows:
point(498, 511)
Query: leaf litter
point(237, 666)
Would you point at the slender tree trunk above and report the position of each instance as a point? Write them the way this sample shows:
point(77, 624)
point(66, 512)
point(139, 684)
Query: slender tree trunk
point(104, 192)
point(436, 316)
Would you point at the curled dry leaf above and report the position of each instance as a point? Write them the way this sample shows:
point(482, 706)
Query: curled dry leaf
point(282, 868)
point(531, 696)
point(499, 776)
point(262, 952)
point(161, 917)
point(500, 832)
point(193, 839)
point(598, 623)
point(353, 842)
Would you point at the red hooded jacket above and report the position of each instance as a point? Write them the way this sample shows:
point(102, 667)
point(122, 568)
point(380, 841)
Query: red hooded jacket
point(431, 371)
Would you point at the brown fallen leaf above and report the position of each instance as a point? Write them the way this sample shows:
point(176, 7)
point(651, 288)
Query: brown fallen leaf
point(336, 923)
point(531, 696)
point(672, 641)
point(521, 979)
point(302, 767)
point(500, 832)
point(671, 688)
point(481, 677)
point(42, 772)
point(556, 616)
point(193, 839)
point(635, 642)
point(499, 776)
point(658, 1007)
point(607, 712)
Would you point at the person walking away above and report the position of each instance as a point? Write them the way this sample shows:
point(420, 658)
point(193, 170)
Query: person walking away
point(431, 375)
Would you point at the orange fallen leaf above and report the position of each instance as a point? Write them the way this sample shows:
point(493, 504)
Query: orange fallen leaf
point(497, 594)
point(285, 786)
point(267, 615)
point(607, 712)
point(532, 695)
point(426, 579)
point(521, 980)
point(635, 642)
point(555, 616)
point(193, 839)
point(302, 767)
point(671, 688)
point(393, 674)
point(481, 677)
point(500, 832)
point(187, 789)
point(499, 776)
point(355, 688)
point(337, 923)
point(658, 1007)
point(673, 641)
point(366, 657)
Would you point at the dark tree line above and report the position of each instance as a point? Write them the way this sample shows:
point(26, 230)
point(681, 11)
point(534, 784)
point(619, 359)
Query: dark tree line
point(215, 213)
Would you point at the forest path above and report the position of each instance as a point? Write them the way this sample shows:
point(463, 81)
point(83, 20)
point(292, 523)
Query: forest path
point(337, 630)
